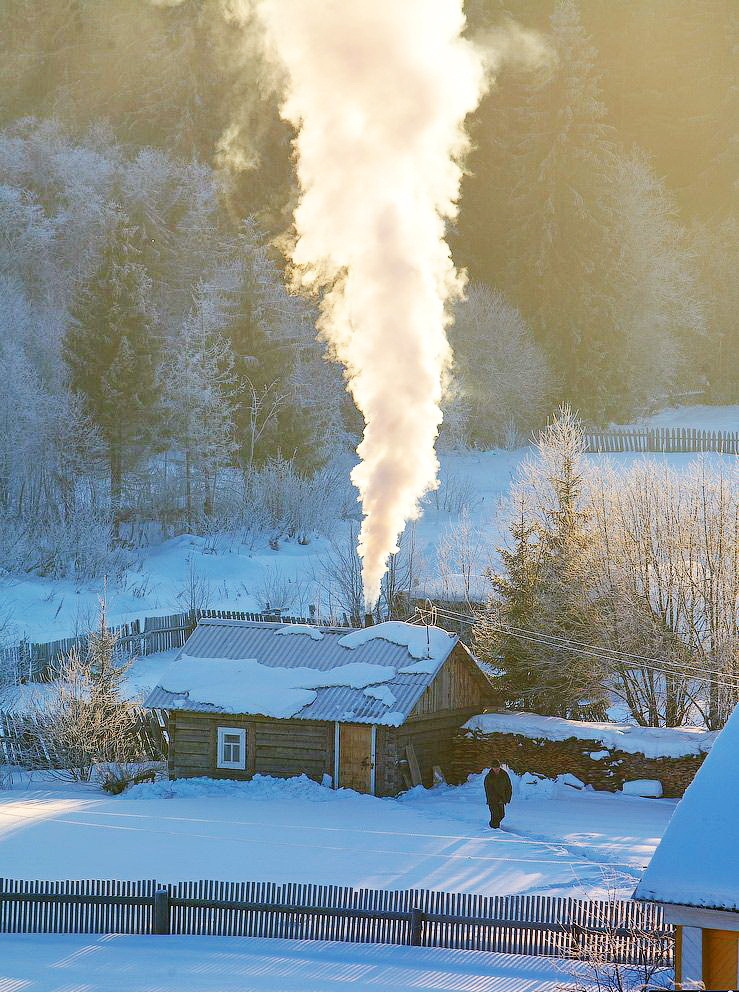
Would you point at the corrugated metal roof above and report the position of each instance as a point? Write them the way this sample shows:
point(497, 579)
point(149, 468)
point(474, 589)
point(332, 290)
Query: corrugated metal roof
point(239, 640)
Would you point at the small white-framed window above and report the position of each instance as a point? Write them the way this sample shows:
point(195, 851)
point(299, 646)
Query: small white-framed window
point(231, 747)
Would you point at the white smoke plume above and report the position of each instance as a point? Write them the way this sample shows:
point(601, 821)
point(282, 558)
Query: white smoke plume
point(378, 92)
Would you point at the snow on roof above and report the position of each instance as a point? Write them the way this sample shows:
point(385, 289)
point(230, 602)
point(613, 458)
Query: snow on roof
point(245, 686)
point(376, 674)
point(652, 742)
point(696, 862)
point(421, 642)
point(301, 628)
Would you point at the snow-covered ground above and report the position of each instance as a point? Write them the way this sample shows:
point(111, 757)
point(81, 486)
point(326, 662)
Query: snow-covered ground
point(557, 840)
point(120, 963)
point(237, 576)
point(699, 415)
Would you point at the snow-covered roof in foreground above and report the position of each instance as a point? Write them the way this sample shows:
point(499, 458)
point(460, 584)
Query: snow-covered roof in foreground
point(697, 860)
point(372, 675)
point(653, 742)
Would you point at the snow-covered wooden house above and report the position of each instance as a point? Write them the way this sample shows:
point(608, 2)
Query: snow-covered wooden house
point(695, 870)
point(360, 706)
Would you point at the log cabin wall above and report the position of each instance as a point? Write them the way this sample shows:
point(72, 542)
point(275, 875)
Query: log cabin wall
point(273, 747)
point(458, 692)
point(460, 685)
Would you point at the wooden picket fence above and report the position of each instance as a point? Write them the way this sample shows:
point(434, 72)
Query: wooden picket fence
point(662, 439)
point(620, 930)
point(39, 662)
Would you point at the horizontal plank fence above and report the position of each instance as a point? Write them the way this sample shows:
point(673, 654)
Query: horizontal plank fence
point(662, 439)
point(620, 930)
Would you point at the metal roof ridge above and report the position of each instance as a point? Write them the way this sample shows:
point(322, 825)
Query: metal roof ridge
point(224, 622)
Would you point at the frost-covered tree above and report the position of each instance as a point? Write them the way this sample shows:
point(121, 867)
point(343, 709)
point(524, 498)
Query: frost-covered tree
point(198, 390)
point(668, 579)
point(510, 607)
point(560, 243)
point(110, 349)
point(288, 404)
point(547, 584)
point(84, 719)
point(716, 357)
point(657, 309)
point(502, 376)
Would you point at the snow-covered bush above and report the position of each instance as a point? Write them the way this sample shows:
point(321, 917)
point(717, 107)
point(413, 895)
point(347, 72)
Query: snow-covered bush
point(83, 721)
point(277, 590)
point(455, 493)
point(281, 501)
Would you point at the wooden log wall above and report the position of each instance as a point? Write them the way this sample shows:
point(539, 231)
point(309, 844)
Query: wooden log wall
point(281, 748)
point(459, 686)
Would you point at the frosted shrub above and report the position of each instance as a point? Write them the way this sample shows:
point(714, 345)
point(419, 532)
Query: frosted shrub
point(15, 547)
point(455, 494)
point(76, 546)
point(279, 591)
point(81, 547)
point(283, 502)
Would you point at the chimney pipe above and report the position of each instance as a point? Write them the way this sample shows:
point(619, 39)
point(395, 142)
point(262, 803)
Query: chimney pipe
point(368, 620)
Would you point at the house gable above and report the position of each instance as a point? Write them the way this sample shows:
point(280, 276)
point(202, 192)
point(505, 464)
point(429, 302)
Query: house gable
point(458, 686)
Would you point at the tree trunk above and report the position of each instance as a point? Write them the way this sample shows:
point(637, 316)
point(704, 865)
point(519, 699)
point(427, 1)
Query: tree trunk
point(188, 488)
point(116, 485)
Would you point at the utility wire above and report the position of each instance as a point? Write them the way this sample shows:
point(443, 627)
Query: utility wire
point(723, 679)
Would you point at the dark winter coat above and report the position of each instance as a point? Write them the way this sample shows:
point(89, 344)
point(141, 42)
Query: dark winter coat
point(498, 787)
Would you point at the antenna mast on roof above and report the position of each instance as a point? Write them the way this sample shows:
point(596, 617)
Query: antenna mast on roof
point(429, 614)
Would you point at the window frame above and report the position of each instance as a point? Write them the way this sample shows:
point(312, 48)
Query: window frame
point(220, 760)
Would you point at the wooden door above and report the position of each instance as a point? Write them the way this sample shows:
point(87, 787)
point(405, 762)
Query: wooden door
point(720, 952)
point(355, 757)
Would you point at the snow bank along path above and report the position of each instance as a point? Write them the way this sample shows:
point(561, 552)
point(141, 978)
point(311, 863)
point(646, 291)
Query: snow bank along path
point(123, 963)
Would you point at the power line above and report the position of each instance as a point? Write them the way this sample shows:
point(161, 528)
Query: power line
point(723, 679)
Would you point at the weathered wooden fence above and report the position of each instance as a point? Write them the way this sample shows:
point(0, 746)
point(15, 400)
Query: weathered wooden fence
point(663, 439)
point(24, 743)
point(38, 662)
point(622, 930)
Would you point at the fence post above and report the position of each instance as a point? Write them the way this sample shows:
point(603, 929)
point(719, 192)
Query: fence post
point(160, 920)
point(417, 916)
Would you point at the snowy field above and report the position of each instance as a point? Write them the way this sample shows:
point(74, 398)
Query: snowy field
point(118, 963)
point(239, 576)
point(557, 841)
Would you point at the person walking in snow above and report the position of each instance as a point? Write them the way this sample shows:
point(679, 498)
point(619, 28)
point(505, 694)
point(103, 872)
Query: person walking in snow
point(498, 792)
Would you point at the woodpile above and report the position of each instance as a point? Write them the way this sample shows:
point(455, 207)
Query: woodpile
point(472, 752)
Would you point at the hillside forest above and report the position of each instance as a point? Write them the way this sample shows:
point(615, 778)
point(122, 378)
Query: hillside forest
point(158, 375)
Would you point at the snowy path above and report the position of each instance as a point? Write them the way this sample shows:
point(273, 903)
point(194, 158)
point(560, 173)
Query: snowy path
point(116, 963)
point(279, 832)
